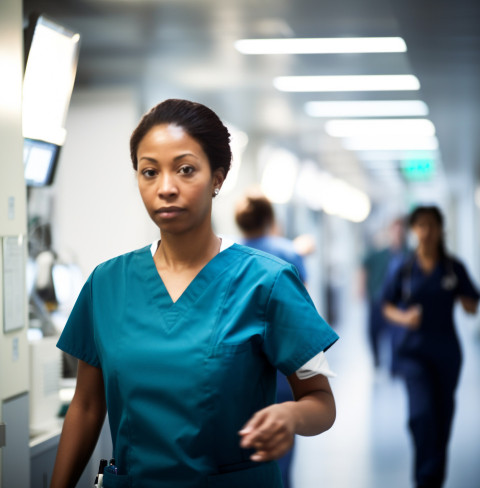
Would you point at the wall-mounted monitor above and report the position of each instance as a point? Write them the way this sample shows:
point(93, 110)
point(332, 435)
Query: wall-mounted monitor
point(51, 56)
point(50, 70)
point(40, 161)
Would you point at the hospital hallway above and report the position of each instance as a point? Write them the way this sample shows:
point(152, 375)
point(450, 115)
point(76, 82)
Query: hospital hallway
point(369, 446)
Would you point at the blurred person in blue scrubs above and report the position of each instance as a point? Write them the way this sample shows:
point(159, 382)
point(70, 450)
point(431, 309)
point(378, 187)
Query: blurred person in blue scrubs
point(180, 340)
point(377, 265)
point(419, 299)
point(255, 218)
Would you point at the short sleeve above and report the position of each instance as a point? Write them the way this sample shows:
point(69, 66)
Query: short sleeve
point(294, 331)
point(465, 286)
point(77, 338)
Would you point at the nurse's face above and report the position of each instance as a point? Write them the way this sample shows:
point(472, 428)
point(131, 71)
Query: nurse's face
point(175, 179)
point(428, 231)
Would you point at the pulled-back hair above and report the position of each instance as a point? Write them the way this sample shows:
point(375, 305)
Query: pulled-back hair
point(200, 122)
point(254, 213)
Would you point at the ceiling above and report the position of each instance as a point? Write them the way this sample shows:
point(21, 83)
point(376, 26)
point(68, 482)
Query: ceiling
point(184, 48)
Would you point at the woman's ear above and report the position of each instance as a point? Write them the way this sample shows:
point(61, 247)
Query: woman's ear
point(218, 178)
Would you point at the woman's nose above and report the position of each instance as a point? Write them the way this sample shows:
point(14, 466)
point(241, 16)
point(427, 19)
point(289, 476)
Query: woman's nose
point(167, 187)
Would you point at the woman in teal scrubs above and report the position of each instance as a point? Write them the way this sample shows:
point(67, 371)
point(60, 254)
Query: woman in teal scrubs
point(420, 299)
point(180, 341)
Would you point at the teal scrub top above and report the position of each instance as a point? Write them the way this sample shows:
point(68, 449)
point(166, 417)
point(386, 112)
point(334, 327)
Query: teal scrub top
point(182, 378)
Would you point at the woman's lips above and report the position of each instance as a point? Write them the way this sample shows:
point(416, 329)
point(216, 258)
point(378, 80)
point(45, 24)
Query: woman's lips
point(169, 212)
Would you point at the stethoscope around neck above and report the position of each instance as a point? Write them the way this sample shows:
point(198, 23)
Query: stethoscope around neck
point(448, 282)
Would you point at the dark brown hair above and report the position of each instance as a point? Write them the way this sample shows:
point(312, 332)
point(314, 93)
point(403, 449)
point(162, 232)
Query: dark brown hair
point(200, 122)
point(254, 214)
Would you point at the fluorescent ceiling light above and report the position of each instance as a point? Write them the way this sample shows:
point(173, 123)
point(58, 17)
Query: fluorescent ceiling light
point(393, 143)
point(379, 127)
point(380, 165)
point(331, 45)
point(346, 83)
point(366, 108)
point(393, 155)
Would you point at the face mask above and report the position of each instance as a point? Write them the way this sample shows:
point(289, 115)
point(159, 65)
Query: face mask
point(412, 240)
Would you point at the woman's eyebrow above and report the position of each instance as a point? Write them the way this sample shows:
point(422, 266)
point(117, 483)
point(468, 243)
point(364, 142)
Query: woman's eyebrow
point(181, 156)
point(175, 159)
point(152, 160)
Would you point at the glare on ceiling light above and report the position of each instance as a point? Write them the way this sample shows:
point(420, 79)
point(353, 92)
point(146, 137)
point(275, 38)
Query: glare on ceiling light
point(322, 191)
point(322, 45)
point(392, 143)
point(346, 83)
point(345, 201)
point(379, 127)
point(367, 108)
point(279, 175)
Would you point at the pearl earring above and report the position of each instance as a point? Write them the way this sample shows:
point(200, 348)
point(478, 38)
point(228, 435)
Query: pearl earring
point(216, 192)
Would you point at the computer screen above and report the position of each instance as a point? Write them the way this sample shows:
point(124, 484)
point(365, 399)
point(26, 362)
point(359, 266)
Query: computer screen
point(50, 70)
point(51, 56)
point(40, 160)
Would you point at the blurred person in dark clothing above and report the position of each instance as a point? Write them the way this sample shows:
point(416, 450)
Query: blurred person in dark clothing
point(419, 298)
point(377, 265)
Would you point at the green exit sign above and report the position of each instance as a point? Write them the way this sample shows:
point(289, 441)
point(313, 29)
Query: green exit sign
point(418, 169)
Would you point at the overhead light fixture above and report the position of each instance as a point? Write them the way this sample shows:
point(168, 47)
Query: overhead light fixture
point(392, 143)
point(367, 108)
point(332, 45)
point(346, 83)
point(379, 127)
point(367, 156)
point(279, 175)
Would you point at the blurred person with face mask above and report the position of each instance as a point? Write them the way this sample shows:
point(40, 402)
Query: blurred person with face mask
point(419, 298)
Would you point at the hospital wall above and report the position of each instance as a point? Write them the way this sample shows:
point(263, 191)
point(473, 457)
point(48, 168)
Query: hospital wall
point(96, 211)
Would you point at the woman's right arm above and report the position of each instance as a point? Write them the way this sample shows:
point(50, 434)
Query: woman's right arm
point(83, 422)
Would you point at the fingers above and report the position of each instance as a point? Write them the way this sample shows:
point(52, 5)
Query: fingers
point(414, 317)
point(269, 432)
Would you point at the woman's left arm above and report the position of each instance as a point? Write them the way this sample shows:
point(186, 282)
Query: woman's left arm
point(271, 431)
point(467, 292)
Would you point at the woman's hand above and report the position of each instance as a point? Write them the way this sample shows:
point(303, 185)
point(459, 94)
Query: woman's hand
point(469, 304)
point(413, 317)
point(271, 432)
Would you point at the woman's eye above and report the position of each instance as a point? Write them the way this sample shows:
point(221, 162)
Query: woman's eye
point(186, 170)
point(148, 173)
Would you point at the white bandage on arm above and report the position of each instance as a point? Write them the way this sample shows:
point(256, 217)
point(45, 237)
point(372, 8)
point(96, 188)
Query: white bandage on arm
point(317, 365)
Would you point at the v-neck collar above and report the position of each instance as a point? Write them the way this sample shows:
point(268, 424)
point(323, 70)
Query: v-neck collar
point(225, 243)
point(423, 272)
point(173, 311)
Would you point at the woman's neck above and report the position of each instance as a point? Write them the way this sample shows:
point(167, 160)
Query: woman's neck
point(178, 252)
point(427, 257)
